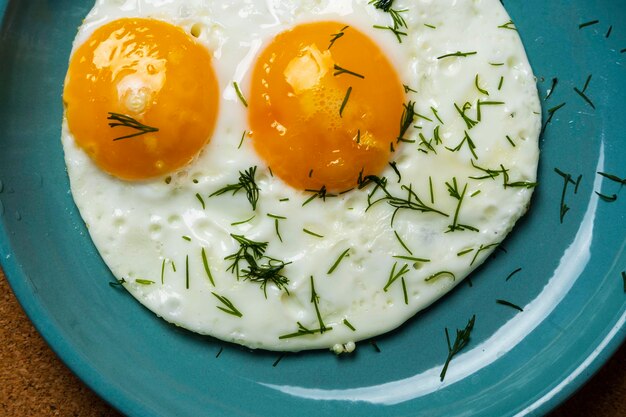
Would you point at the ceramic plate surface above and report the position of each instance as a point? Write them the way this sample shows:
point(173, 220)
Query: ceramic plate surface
point(517, 363)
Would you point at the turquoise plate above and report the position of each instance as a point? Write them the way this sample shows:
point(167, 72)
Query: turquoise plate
point(517, 363)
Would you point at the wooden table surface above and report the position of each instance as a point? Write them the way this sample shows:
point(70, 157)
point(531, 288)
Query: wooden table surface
point(34, 382)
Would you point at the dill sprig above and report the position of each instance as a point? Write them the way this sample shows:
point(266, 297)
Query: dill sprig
point(207, 268)
point(336, 36)
point(240, 94)
point(398, 33)
point(513, 273)
point(477, 84)
point(607, 198)
point(461, 340)
point(407, 119)
point(590, 23)
point(453, 189)
point(470, 144)
point(555, 82)
point(485, 103)
point(266, 273)
point(349, 325)
point(338, 261)
point(322, 193)
point(247, 247)
point(247, 183)
point(340, 70)
point(469, 122)
point(551, 113)
point(612, 177)
point(396, 15)
point(582, 93)
point(228, 307)
point(411, 202)
point(393, 275)
point(121, 120)
point(509, 304)
point(303, 330)
point(506, 183)
point(315, 299)
point(440, 274)
point(345, 101)
point(251, 252)
point(508, 25)
point(567, 180)
point(384, 5)
point(481, 249)
point(117, 283)
point(457, 54)
point(402, 243)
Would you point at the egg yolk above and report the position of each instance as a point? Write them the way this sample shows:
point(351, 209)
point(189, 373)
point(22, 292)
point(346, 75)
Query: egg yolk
point(141, 98)
point(325, 105)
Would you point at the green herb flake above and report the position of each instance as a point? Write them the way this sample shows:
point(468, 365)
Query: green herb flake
point(201, 200)
point(461, 340)
point(187, 272)
point(457, 54)
point(228, 306)
point(240, 94)
point(336, 36)
point(207, 268)
point(308, 232)
point(440, 274)
point(509, 304)
point(345, 101)
point(349, 325)
point(280, 358)
point(339, 71)
point(338, 261)
point(586, 24)
point(117, 283)
point(122, 120)
point(513, 273)
point(247, 183)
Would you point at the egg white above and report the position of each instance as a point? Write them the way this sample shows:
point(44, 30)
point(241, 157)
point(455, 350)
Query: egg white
point(138, 227)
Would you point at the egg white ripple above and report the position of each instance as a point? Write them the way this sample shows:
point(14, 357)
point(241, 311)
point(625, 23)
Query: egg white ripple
point(138, 226)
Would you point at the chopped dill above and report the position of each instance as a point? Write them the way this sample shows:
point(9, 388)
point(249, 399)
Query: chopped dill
point(509, 304)
point(345, 101)
point(440, 274)
point(122, 120)
point(228, 307)
point(207, 269)
point(339, 70)
point(461, 340)
point(240, 94)
point(590, 23)
point(349, 325)
point(336, 36)
point(457, 54)
point(246, 183)
point(513, 273)
point(338, 261)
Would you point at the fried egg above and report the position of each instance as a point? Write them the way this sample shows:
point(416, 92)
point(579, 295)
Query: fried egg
point(292, 175)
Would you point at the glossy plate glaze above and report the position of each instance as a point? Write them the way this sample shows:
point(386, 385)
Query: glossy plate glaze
point(570, 283)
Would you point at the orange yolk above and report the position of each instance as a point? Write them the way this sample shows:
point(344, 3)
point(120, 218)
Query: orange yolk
point(321, 112)
point(141, 98)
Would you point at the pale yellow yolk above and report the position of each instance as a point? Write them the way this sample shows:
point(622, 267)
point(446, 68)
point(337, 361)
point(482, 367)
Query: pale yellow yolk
point(152, 79)
point(322, 112)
